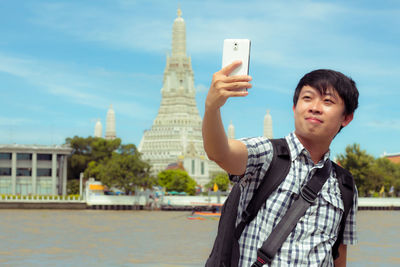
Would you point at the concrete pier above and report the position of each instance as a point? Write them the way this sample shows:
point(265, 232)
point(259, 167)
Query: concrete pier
point(184, 203)
point(43, 205)
point(366, 203)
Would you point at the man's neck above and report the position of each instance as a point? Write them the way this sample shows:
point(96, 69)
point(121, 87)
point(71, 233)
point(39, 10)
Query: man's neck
point(316, 148)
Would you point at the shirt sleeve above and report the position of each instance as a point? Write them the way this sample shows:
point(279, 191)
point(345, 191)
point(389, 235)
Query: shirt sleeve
point(259, 157)
point(350, 231)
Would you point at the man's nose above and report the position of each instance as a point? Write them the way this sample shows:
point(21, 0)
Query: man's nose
point(315, 106)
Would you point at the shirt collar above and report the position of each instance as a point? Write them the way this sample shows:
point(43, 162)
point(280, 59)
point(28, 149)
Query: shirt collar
point(296, 149)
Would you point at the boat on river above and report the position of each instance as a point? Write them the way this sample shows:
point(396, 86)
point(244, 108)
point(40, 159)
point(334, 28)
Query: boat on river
point(204, 215)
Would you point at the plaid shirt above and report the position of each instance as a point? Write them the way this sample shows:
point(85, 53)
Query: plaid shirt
point(310, 243)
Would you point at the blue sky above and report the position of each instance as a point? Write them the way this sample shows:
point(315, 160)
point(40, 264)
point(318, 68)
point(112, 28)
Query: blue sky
point(62, 63)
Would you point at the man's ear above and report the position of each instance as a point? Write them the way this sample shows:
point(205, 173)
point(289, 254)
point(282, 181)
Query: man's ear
point(347, 119)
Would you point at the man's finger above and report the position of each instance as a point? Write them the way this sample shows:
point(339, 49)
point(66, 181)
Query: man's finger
point(236, 86)
point(238, 93)
point(231, 67)
point(237, 78)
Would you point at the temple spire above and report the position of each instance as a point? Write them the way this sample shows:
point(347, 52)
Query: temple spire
point(178, 74)
point(175, 135)
point(179, 36)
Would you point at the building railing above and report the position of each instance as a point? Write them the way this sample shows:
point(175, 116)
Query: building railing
point(144, 199)
point(40, 198)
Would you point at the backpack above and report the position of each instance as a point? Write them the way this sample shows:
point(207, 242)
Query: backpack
point(225, 251)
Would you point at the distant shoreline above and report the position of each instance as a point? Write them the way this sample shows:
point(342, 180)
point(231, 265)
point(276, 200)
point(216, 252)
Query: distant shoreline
point(167, 203)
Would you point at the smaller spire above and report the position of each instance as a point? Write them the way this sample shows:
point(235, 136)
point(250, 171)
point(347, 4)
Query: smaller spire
point(179, 12)
point(268, 125)
point(98, 129)
point(231, 131)
point(110, 124)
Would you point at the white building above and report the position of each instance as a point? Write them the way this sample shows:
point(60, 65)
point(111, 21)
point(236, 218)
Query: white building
point(268, 133)
point(33, 170)
point(176, 131)
point(110, 124)
point(231, 131)
point(98, 129)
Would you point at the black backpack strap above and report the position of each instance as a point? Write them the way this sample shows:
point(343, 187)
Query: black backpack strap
point(276, 173)
point(288, 222)
point(347, 190)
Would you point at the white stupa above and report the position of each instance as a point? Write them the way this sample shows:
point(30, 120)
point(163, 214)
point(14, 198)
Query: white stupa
point(268, 125)
point(231, 131)
point(110, 124)
point(176, 131)
point(98, 129)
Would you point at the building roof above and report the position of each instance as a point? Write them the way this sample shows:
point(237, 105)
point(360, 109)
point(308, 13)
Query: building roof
point(60, 149)
point(393, 157)
point(175, 165)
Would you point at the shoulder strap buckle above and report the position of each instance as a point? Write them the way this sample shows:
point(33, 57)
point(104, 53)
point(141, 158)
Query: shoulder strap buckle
point(307, 194)
point(246, 216)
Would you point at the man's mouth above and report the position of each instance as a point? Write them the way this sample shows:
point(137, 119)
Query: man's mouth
point(314, 120)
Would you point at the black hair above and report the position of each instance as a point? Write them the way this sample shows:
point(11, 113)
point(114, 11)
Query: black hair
point(324, 79)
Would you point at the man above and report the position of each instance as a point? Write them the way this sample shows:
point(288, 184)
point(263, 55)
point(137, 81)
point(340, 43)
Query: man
point(324, 102)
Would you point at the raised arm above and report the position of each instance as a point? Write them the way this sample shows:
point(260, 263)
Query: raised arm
point(229, 154)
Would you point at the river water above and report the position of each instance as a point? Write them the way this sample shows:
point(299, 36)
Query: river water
point(152, 238)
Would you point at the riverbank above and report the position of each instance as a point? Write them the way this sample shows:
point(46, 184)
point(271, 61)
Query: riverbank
point(171, 203)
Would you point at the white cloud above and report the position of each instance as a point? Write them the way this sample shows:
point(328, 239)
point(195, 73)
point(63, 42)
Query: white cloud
point(9, 121)
point(393, 124)
point(112, 26)
point(124, 25)
point(290, 34)
point(278, 89)
point(201, 88)
point(36, 135)
point(58, 80)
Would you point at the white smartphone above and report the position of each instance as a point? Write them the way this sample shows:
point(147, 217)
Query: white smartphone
point(237, 49)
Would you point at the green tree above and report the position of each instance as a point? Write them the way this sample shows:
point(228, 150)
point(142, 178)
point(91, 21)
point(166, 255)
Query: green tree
point(124, 170)
point(370, 174)
point(390, 174)
point(222, 181)
point(359, 163)
point(85, 150)
point(73, 187)
point(177, 180)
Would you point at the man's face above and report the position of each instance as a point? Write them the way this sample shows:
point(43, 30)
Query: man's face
point(319, 117)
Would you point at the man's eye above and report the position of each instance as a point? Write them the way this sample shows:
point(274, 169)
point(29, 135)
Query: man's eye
point(328, 100)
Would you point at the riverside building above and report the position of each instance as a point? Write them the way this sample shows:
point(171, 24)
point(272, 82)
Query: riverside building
point(33, 169)
point(393, 157)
